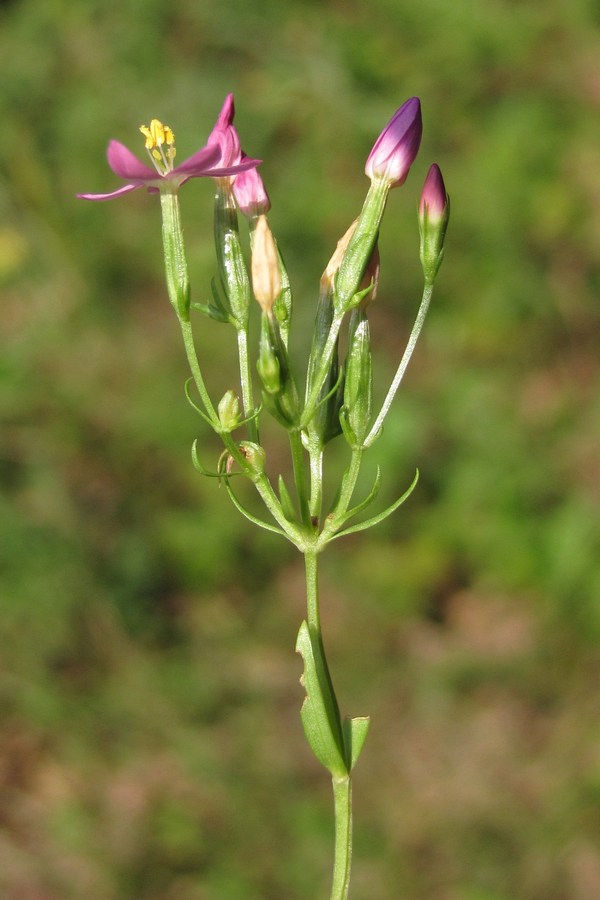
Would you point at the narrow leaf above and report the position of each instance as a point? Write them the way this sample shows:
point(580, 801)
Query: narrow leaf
point(251, 518)
point(194, 405)
point(287, 503)
point(375, 520)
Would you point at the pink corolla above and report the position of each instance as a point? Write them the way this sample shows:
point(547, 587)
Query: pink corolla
point(220, 158)
point(224, 135)
point(396, 147)
point(250, 193)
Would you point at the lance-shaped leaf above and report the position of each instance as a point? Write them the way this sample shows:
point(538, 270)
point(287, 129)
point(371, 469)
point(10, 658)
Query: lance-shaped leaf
point(375, 520)
point(319, 713)
point(355, 733)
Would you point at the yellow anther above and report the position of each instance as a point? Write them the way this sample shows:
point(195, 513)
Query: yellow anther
point(157, 134)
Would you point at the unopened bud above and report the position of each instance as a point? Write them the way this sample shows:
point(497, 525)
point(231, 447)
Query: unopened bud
point(278, 387)
point(229, 411)
point(254, 456)
point(434, 213)
point(358, 387)
point(266, 278)
point(336, 260)
point(397, 146)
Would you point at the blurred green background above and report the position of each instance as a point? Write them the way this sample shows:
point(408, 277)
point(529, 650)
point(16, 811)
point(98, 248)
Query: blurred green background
point(150, 744)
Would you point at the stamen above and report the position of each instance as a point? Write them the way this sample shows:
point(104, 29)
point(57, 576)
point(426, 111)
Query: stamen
point(156, 135)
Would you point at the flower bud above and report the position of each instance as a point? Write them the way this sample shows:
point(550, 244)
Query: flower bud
point(325, 422)
point(266, 277)
point(254, 456)
point(396, 147)
point(279, 391)
point(230, 256)
point(434, 213)
point(358, 387)
point(328, 276)
point(229, 411)
point(250, 193)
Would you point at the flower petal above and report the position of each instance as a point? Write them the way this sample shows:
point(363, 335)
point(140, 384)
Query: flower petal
point(246, 163)
point(126, 189)
point(199, 163)
point(225, 117)
point(126, 165)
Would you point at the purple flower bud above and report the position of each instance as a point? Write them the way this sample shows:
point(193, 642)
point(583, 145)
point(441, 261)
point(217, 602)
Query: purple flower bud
point(434, 213)
point(250, 194)
point(396, 147)
point(434, 199)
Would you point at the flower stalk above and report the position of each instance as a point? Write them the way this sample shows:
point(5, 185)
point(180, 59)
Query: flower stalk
point(338, 394)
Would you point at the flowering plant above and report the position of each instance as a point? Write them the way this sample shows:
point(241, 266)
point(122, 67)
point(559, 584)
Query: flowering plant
point(338, 394)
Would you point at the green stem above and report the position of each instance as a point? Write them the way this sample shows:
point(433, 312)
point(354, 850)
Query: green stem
point(342, 798)
point(297, 452)
point(192, 358)
point(341, 786)
point(246, 382)
point(316, 479)
point(412, 341)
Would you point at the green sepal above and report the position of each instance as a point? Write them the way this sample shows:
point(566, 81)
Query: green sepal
point(319, 713)
point(233, 273)
point(178, 285)
point(355, 733)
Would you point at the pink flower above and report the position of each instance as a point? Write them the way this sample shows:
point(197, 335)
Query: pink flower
point(250, 193)
point(221, 157)
point(396, 147)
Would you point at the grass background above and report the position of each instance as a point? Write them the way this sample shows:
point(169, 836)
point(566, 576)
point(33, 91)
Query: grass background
point(150, 745)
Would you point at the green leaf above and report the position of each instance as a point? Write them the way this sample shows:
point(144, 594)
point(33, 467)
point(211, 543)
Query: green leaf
point(195, 406)
point(319, 713)
point(375, 520)
point(359, 506)
point(251, 518)
point(199, 466)
point(355, 731)
point(286, 501)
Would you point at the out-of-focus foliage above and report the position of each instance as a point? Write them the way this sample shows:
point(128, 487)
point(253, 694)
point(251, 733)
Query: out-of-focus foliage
point(150, 744)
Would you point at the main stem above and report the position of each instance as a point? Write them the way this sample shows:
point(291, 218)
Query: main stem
point(342, 788)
